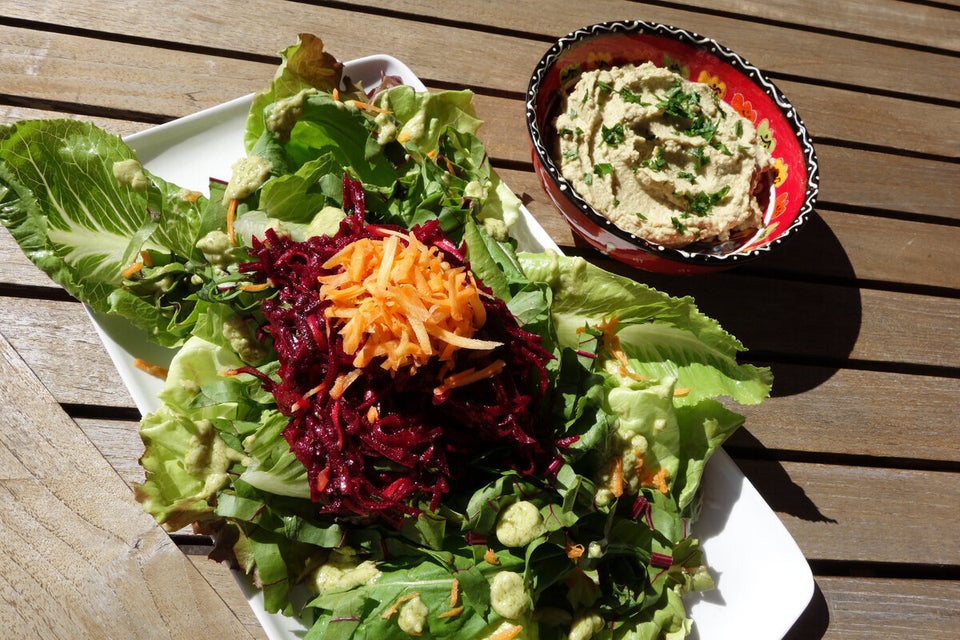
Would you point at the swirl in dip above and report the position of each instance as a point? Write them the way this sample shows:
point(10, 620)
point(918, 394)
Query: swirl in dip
point(662, 157)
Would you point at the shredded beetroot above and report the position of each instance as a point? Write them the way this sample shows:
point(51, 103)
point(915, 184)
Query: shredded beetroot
point(389, 444)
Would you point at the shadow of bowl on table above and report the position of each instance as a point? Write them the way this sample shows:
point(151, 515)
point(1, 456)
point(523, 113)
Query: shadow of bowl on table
point(796, 311)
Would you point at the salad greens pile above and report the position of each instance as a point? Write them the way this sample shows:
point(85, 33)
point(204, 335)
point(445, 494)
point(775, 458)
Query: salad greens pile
point(596, 545)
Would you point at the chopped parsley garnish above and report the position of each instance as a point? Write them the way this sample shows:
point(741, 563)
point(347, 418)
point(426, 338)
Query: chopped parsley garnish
point(681, 229)
point(602, 168)
point(699, 204)
point(698, 158)
point(571, 154)
point(612, 135)
point(676, 102)
point(641, 216)
point(587, 179)
point(702, 127)
point(604, 86)
point(631, 97)
point(722, 148)
point(566, 131)
point(657, 163)
point(738, 128)
point(686, 175)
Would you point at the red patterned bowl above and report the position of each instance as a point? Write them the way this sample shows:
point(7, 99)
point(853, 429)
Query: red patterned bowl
point(697, 58)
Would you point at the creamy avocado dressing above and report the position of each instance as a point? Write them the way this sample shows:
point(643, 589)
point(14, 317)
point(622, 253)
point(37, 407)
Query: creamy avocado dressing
point(344, 570)
point(519, 524)
point(248, 174)
point(661, 157)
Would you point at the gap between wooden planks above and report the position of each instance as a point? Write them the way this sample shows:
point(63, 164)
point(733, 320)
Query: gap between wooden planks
point(79, 558)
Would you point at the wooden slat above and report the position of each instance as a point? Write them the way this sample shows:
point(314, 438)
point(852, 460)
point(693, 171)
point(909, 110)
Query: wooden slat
point(848, 513)
point(79, 557)
point(446, 51)
point(222, 578)
point(844, 170)
point(869, 608)
point(884, 19)
point(911, 24)
point(852, 412)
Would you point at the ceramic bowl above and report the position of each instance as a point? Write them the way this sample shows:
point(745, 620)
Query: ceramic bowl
point(697, 58)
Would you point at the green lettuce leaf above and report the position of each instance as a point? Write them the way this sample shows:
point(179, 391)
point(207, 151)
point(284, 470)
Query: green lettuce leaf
point(83, 221)
point(662, 336)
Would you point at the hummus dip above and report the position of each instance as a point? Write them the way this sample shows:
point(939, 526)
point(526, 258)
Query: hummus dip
point(662, 157)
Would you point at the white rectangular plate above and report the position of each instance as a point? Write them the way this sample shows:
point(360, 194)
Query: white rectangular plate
point(763, 581)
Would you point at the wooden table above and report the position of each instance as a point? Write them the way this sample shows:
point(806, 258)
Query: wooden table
point(859, 316)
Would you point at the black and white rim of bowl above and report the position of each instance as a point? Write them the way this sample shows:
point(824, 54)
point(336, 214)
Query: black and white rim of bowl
point(727, 55)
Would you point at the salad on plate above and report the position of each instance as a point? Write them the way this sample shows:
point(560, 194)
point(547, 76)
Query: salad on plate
point(387, 416)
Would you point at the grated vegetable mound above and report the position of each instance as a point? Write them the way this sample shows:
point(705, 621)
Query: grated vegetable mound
point(397, 367)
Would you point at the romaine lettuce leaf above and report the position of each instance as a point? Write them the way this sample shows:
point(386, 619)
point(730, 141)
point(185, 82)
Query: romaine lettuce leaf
point(82, 209)
point(662, 336)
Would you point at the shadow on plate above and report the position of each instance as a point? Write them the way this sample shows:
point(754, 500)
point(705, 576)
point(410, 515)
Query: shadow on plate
point(798, 306)
point(814, 621)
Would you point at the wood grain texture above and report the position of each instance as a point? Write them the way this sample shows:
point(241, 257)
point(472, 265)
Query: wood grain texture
point(78, 557)
point(857, 315)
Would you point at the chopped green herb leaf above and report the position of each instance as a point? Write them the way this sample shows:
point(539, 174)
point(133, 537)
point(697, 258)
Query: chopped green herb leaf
point(698, 158)
point(603, 168)
point(657, 163)
point(612, 135)
point(686, 175)
point(702, 127)
point(604, 86)
point(738, 128)
point(676, 102)
point(700, 204)
point(587, 179)
point(571, 154)
point(679, 226)
point(631, 97)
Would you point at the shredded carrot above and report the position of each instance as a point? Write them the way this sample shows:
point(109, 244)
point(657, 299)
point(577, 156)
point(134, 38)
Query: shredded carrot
point(192, 196)
point(372, 414)
point(397, 299)
point(616, 477)
point(322, 480)
point(403, 136)
point(153, 369)
point(255, 287)
point(366, 106)
point(449, 613)
point(655, 479)
point(336, 94)
point(396, 605)
point(131, 270)
point(302, 402)
point(574, 551)
point(679, 393)
point(450, 168)
point(231, 216)
point(468, 376)
point(507, 634)
point(146, 258)
point(342, 382)
point(454, 592)
point(433, 153)
point(490, 557)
